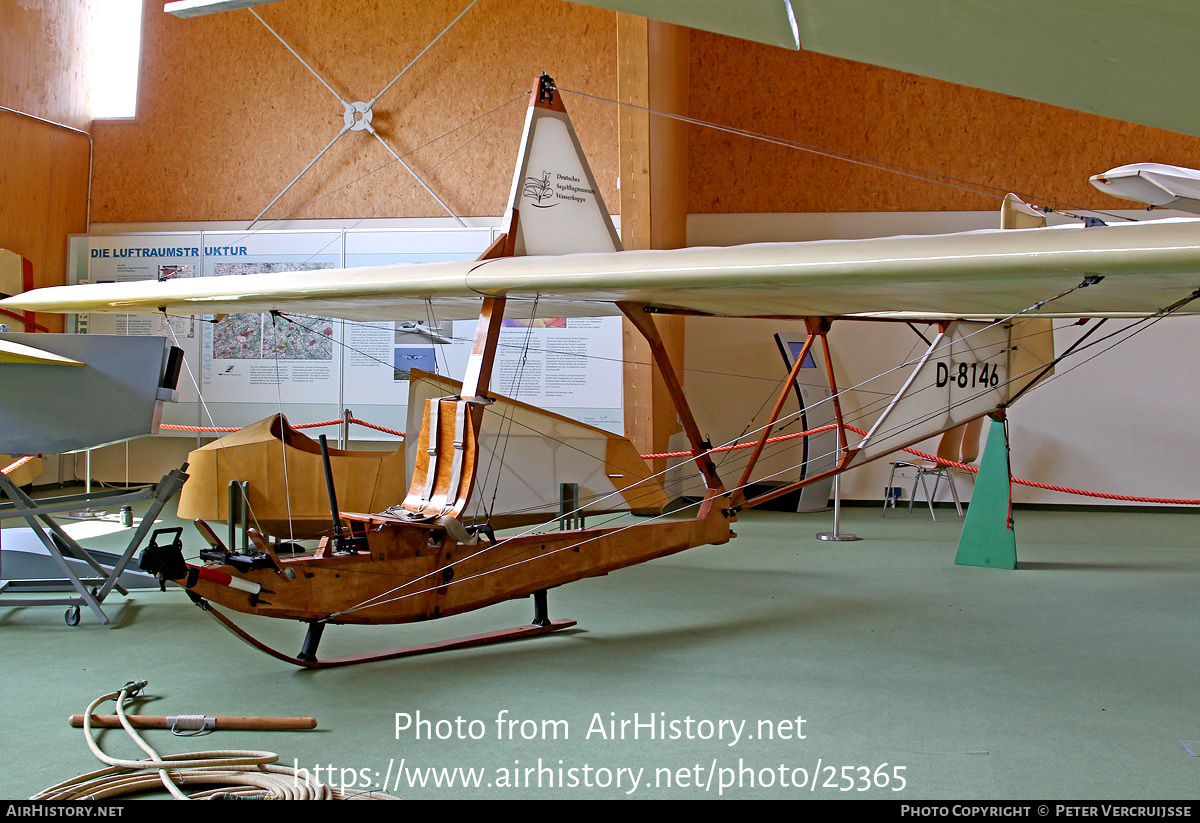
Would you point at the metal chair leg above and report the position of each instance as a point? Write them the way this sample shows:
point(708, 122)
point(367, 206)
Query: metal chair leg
point(887, 492)
point(954, 491)
point(928, 498)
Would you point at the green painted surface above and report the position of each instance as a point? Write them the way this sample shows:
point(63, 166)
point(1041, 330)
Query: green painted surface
point(989, 537)
point(1072, 677)
point(1133, 61)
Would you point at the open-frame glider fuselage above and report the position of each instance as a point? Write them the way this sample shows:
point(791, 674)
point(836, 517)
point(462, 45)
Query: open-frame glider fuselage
point(419, 561)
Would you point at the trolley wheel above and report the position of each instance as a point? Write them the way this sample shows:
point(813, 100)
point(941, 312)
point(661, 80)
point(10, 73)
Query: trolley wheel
point(72, 616)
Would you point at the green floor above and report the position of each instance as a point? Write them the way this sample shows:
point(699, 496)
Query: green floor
point(1073, 677)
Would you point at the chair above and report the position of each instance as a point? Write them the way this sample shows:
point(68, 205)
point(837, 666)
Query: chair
point(960, 445)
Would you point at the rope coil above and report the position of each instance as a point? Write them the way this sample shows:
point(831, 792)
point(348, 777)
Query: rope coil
point(251, 774)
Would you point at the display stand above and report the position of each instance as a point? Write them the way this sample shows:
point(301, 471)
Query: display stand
point(989, 537)
point(89, 591)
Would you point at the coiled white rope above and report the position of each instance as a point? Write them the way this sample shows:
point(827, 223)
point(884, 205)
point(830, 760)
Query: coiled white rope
point(233, 773)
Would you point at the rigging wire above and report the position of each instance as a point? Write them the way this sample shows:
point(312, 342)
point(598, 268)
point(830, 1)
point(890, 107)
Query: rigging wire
point(375, 600)
point(287, 489)
point(211, 419)
point(697, 482)
point(414, 182)
point(505, 431)
point(863, 413)
point(266, 225)
point(847, 157)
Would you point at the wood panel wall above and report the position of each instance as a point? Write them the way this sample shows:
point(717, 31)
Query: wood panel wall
point(44, 59)
point(43, 168)
point(1040, 151)
point(652, 74)
point(227, 116)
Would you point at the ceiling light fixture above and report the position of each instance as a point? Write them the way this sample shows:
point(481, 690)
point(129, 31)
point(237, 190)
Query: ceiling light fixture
point(196, 8)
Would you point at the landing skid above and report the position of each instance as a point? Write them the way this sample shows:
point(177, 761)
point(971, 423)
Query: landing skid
point(485, 639)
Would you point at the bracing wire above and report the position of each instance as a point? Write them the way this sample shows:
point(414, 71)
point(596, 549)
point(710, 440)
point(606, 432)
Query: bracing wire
point(937, 178)
point(381, 598)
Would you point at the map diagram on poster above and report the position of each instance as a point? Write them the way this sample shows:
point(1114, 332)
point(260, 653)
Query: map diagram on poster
point(264, 357)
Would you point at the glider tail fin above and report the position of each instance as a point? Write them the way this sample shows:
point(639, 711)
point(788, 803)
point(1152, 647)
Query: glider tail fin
point(555, 205)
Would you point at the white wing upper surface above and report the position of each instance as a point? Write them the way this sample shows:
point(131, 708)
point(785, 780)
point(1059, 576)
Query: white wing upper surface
point(1145, 266)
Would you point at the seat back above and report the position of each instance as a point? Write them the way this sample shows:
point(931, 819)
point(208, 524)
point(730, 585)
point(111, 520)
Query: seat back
point(970, 440)
point(950, 443)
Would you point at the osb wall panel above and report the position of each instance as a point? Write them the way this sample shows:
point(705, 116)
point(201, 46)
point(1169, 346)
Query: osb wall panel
point(227, 117)
point(43, 196)
point(43, 168)
point(1043, 152)
point(44, 57)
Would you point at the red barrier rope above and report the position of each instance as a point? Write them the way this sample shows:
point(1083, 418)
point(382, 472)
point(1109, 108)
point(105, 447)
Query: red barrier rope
point(923, 455)
point(943, 462)
point(743, 445)
point(385, 429)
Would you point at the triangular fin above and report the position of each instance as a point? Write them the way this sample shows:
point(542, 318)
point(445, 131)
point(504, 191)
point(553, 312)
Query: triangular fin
point(555, 205)
point(989, 537)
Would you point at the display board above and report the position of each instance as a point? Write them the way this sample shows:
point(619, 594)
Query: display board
point(311, 368)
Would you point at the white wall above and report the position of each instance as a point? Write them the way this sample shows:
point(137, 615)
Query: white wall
point(1120, 423)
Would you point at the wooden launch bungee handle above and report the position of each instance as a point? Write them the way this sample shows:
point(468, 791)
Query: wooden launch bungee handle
point(198, 722)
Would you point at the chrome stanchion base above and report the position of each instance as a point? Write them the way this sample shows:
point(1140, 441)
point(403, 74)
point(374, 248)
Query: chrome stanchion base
point(86, 514)
point(837, 534)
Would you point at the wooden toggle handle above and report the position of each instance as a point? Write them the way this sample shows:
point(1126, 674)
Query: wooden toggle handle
point(151, 721)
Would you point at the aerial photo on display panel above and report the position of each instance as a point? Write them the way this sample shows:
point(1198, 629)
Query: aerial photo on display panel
point(262, 337)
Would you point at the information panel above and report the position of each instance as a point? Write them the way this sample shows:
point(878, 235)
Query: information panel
point(250, 366)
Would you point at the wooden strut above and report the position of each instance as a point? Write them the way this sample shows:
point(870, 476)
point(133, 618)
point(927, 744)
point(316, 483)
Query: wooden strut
point(848, 454)
point(739, 492)
point(818, 327)
point(642, 320)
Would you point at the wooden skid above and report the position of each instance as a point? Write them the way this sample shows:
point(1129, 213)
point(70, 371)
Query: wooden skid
point(485, 639)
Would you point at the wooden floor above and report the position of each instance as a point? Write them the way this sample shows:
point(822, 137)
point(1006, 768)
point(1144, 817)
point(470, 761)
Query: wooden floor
point(1073, 677)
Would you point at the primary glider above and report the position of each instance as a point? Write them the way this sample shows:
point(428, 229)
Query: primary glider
point(422, 559)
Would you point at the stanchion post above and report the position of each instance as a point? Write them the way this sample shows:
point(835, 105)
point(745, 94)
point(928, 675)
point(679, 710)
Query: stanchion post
point(837, 534)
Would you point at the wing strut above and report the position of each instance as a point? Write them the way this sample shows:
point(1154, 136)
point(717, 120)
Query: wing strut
point(644, 323)
point(818, 328)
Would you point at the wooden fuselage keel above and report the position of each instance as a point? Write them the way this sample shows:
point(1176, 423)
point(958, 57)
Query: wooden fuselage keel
point(413, 572)
point(419, 562)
